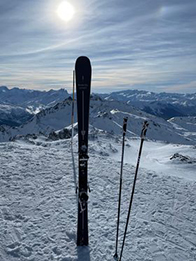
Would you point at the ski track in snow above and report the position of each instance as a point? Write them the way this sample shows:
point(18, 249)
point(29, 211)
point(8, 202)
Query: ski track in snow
point(38, 210)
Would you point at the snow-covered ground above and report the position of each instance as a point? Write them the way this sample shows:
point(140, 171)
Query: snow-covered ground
point(158, 157)
point(38, 209)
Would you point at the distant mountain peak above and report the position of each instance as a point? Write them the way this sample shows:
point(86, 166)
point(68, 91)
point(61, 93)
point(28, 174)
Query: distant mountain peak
point(4, 88)
point(31, 99)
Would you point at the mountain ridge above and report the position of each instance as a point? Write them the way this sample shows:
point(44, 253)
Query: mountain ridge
point(165, 105)
point(33, 100)
point(104, 115)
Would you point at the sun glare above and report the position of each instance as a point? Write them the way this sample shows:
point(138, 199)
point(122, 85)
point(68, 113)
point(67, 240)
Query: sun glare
point(65, 11)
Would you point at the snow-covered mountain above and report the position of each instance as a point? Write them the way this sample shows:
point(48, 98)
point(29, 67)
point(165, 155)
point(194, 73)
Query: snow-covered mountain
point(46, 121)
point(186, 125)
point(13, 115)
point(33, 100)
point(18, 105)
point(105, 115)
point(165, 105)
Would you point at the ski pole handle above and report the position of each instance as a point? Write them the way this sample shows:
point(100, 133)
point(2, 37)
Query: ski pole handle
point(144, 129)
point(125, 125)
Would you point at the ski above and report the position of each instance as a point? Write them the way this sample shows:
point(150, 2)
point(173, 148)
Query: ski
point(143, 135)
point(83, 86)
point(120, 186)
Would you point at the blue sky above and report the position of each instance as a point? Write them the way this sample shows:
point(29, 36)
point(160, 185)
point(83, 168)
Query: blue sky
point(132, 44)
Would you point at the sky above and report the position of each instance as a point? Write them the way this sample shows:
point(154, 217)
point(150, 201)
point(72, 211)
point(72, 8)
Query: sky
point(132, 44)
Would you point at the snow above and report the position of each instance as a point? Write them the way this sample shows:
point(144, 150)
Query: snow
point(38, 179)
point(38, 210)
point(156, 157)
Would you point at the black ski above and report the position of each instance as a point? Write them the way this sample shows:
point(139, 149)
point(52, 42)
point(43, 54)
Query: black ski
point(83, 86)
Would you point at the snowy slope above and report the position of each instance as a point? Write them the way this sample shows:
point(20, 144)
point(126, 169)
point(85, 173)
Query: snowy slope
point(104, 115)
point(38, 209)
point(46, 121)
point(187, 125)
point(108, 115)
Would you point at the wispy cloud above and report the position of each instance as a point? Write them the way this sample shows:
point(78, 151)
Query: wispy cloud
point(131, 44)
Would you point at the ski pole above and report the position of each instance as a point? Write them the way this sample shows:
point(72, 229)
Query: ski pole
point(143, 135)
point(120, 187)
point(72, 114)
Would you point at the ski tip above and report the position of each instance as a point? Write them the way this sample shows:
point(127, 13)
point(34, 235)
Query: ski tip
point(82, 59)
point(82, 63)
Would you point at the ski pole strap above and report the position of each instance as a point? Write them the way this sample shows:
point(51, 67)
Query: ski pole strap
point(144, 129)
point(125, 125)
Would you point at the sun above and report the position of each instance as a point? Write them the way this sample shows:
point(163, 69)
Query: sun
point(65, 11)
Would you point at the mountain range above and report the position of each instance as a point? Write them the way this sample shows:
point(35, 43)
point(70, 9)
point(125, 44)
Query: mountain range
point(31, 99)
point(19, 105)
point(48, 112)
point(106, 116)
point(164, 105)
